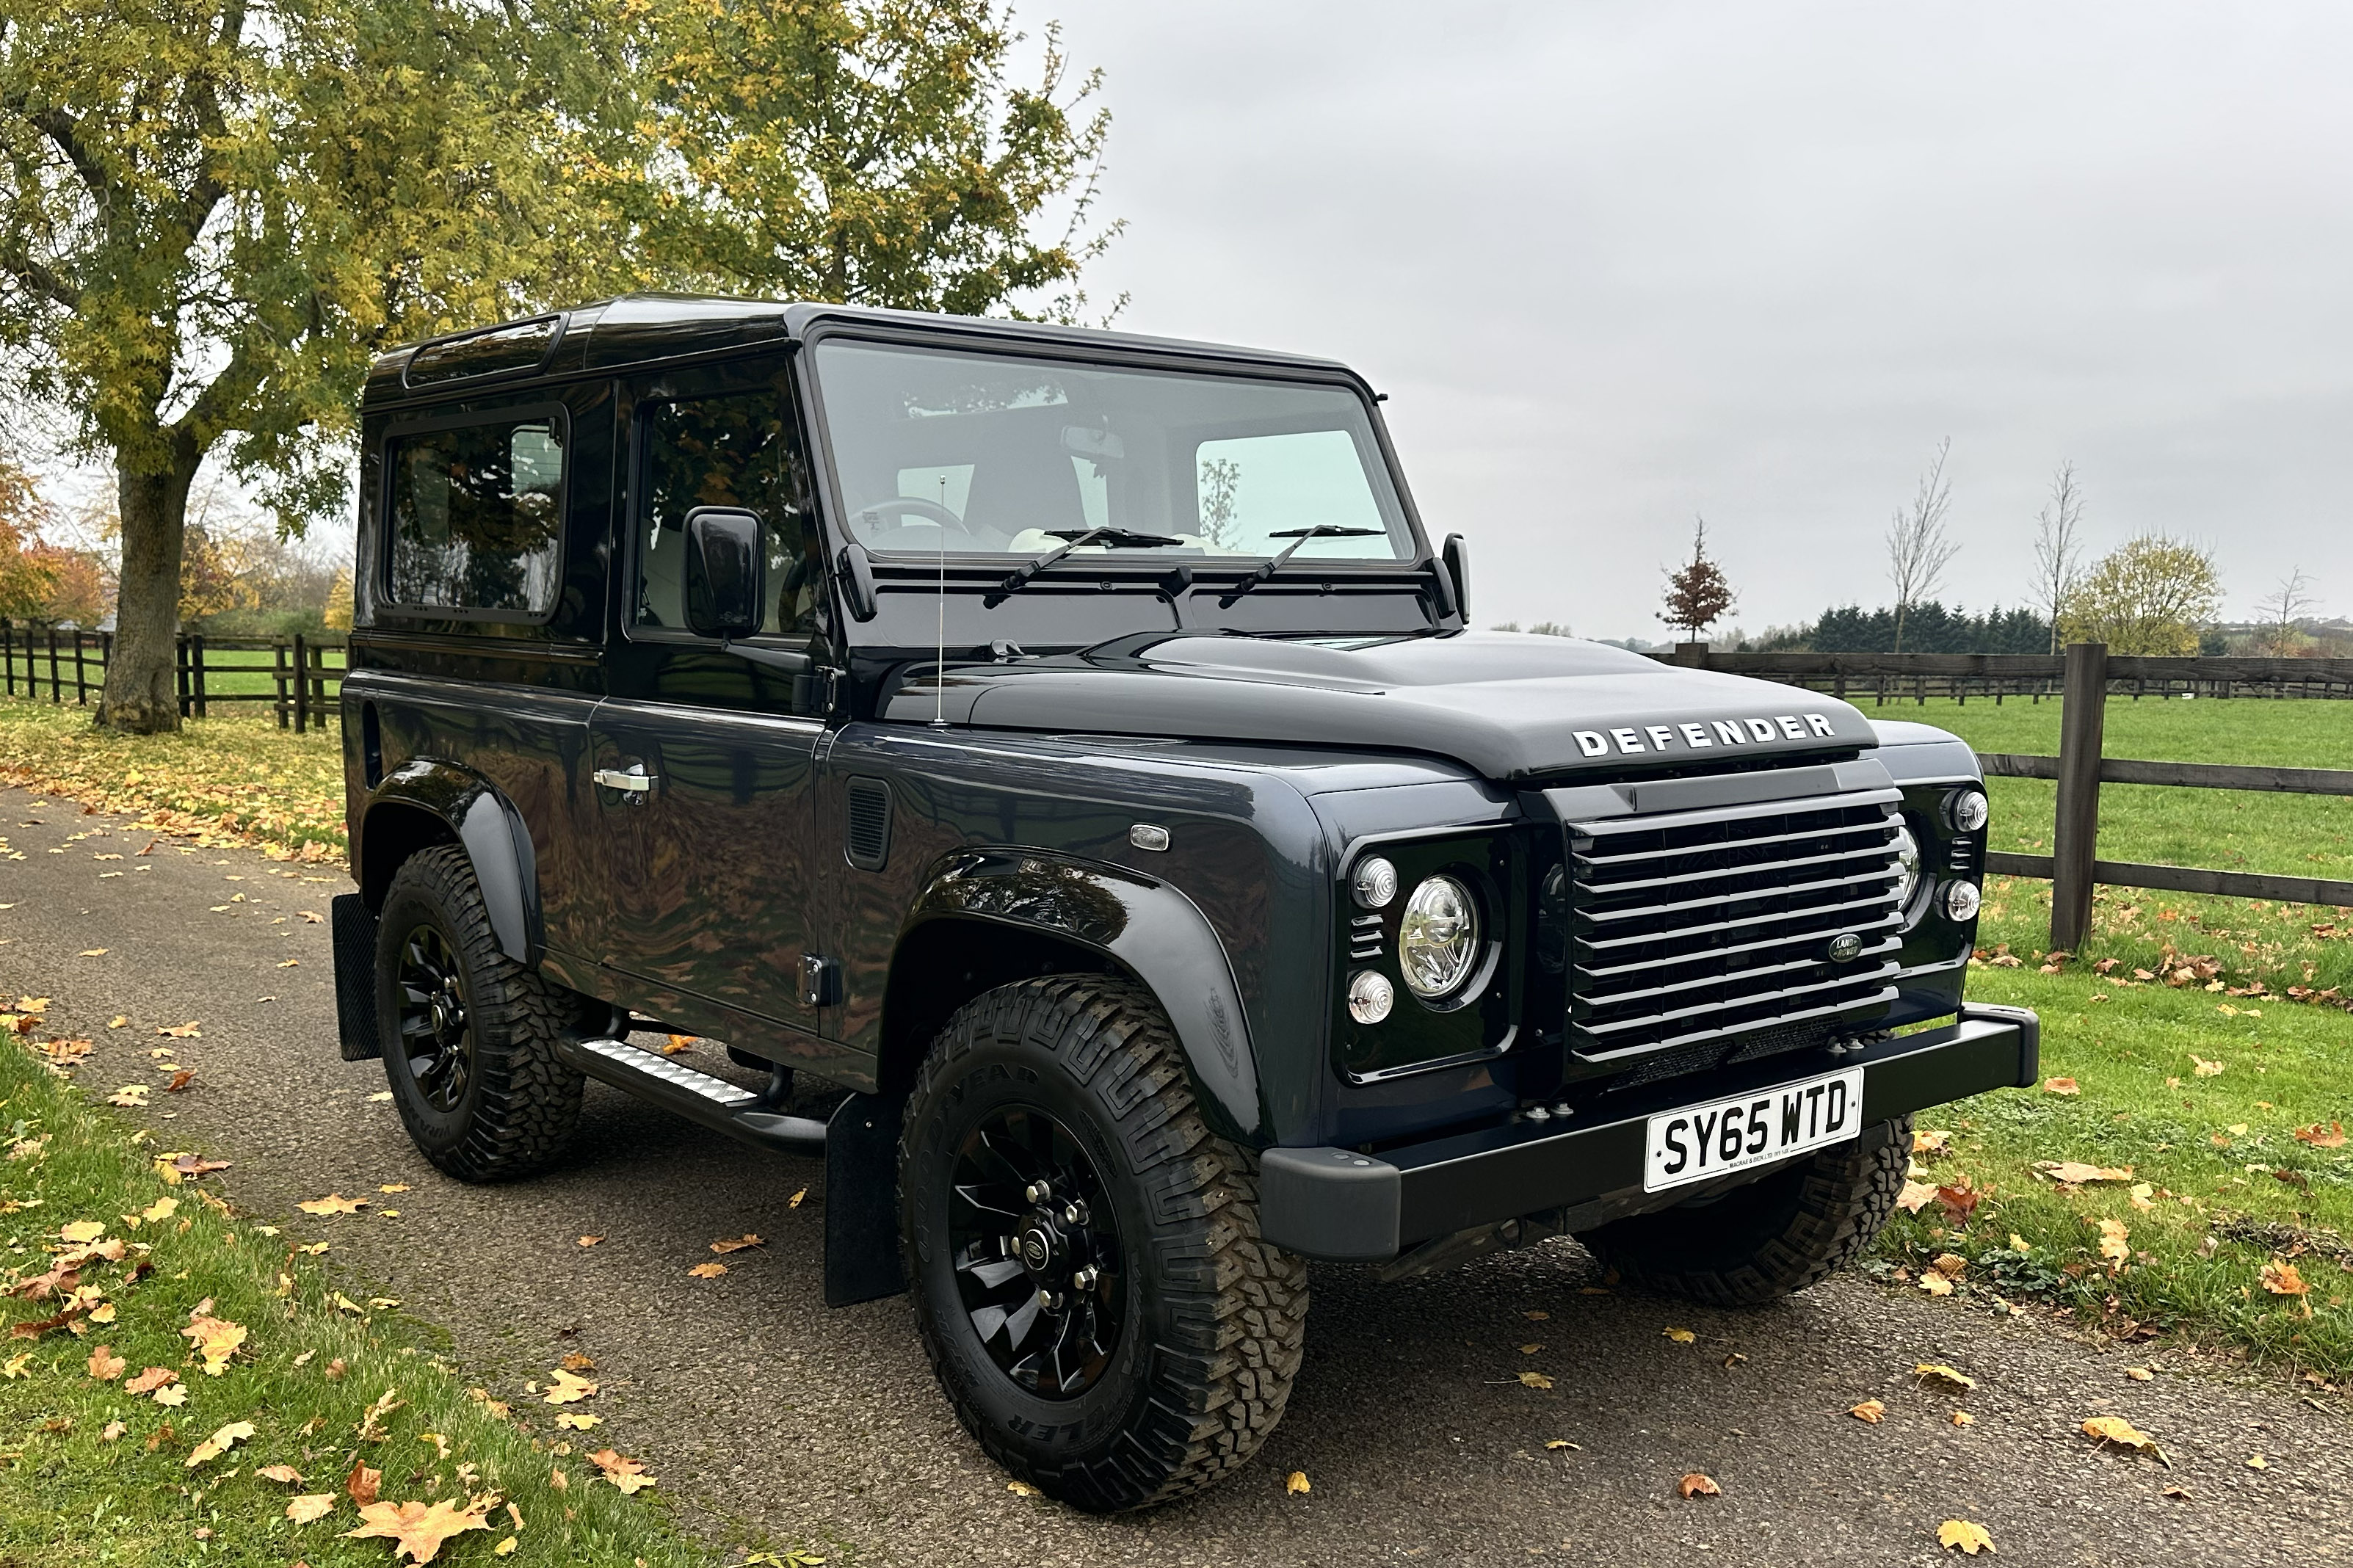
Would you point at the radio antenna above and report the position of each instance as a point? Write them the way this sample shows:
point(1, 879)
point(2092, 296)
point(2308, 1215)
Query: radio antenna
point(940, 670)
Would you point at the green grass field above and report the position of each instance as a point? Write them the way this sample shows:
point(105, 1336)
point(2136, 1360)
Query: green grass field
point(126, 1445)
point(2221, 1192)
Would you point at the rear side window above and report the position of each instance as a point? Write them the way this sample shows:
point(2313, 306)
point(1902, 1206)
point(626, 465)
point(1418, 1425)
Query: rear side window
point(477, 516)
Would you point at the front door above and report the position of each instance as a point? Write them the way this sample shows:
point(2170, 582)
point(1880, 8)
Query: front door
point(703, 761)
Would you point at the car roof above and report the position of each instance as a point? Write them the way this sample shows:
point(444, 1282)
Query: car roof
point(633, 329)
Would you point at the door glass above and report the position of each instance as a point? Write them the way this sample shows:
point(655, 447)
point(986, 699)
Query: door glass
point(733, 449)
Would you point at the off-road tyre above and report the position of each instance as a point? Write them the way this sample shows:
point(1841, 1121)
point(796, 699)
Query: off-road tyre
point(1771, 1238)
point(1214, 1317)
point(518, 1109)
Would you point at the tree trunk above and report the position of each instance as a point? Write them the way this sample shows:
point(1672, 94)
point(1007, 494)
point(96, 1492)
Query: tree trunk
point(142, 695)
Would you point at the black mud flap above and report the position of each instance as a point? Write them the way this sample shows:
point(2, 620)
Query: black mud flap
point(354, 924)
point(861, 1200)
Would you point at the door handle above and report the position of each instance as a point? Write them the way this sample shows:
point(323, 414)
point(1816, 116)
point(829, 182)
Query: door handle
point(632, 780)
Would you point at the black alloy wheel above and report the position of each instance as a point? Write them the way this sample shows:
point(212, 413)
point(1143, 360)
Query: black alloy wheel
point(1037, 1252)
point(471, 1038)
point(436, 1035)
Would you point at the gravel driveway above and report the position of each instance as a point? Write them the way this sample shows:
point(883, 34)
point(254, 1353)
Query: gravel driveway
point(763, 1412)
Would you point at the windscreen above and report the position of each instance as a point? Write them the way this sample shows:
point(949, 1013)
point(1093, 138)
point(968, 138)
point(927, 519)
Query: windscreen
point(1003, 455)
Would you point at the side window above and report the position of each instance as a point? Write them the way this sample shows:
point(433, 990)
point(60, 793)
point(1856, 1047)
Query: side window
point(477, 517)
point(728, 449)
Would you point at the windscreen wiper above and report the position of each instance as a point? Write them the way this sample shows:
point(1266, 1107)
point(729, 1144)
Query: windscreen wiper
point(1109, 537)
point(1298, 536)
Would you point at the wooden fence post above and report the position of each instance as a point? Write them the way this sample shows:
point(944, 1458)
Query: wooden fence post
point(302, 684)
point(278, 673)
point(81, 679)
point(197, 671)
point(9, 651)
point(56, 689)
point(2076, 830)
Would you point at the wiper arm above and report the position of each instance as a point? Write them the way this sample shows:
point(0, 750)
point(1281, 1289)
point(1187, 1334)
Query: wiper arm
point(1111, 538)
point(1298, 536)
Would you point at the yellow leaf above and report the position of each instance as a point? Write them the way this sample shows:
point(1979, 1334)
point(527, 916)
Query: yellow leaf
point(629, 1475)
point(1530, 1349)
point(286, 1473)
point(416, 1529)
point(1915, 1196)
point(794, 1201)
point(1535, 1380)
point(1022, 1488)
point(2062, 1086)
point(1951, 1265)
point(1935, 1284)
point(2138, 1374)
point(577, 1420)
point(219, 1443)
point(2116, 1242)
point(737, 1244)
point(1558, 1444)
point(2122, 1433)
point(1970, 1538)
point(505, 1548)
point(2203, 1068)
point(105, 1365)
point(2282, 1279)
point(1681, 1336)
point(1925, 1140)
point(2075, 1172)
point(310, 1506)
point(708, 1270)
point(1871, 1411)
point(393, 1188)
point(334, 1202)
point(159, 1211)
point(2257, 1462)
point(1697, 1485)
point(1963, 1418)
point(1944, 1373)
point(569, 1388)
point(215, 1340)
point(2144, 1196)
point(1296, 1483)
point(14, 1365)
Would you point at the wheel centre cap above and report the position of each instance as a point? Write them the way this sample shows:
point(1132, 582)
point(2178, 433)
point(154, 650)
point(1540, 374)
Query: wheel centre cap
point(1037, 1246)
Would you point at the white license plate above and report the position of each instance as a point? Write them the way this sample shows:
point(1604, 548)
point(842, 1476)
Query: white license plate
point(1702, 1142)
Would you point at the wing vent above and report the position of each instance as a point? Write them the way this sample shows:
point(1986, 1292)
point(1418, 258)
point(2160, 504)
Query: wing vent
point(869, 840)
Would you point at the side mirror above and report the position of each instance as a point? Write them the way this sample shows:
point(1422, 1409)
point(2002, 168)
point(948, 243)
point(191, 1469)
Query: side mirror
point(1456, 554)
point(724, 570)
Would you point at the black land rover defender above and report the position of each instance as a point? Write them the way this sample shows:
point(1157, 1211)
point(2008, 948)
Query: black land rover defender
point(1064, 754)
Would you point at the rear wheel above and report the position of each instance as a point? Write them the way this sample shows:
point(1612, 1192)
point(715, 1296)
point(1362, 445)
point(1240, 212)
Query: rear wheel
point(1772, 1238)
point(469, 1034)
point(1085, 1253)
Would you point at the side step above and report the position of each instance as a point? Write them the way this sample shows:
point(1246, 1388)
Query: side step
point(697, 1096)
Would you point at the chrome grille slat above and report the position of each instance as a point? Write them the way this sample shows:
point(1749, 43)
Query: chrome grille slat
point(1877, 973)
point(1887, 876)
point(1718, 873)
point(1632, 857)
point(1691, 927)
point(1697, 954)
point(1858, 909)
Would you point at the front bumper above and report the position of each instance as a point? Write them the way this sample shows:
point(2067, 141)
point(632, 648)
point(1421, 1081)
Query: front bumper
point(1340, 1206)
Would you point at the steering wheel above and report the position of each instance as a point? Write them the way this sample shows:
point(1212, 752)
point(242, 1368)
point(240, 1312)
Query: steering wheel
point(901, 505)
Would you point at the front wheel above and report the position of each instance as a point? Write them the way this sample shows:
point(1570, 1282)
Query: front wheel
point(1772, 1238)
point(1087, 1270)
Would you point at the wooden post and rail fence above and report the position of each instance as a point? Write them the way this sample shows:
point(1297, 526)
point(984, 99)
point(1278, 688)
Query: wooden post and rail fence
point(2082, 679)
point(69, 664)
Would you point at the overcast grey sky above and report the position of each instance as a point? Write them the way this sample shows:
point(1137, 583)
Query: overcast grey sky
point(1620, 263)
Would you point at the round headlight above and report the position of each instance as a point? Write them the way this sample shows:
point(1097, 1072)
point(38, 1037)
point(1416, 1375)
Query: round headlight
point(1370, 996)
point(1438, 939)
point(1961, 900)
point(1966, 809)
point(1374, 885)
point(1907, 865)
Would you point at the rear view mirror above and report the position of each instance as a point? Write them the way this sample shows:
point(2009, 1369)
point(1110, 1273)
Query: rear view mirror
point(724, 568)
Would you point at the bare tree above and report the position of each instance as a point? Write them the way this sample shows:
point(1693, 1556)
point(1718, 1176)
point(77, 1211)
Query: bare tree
point(1917, 546)
point(2059, 547)
point(2291, 602)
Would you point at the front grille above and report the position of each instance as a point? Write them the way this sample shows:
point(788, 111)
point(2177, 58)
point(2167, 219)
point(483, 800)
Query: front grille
point(1693, 929)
